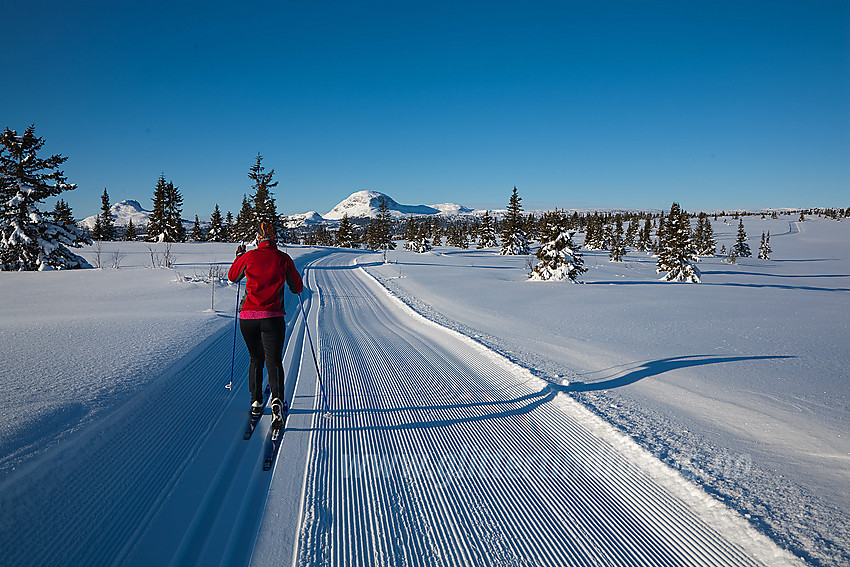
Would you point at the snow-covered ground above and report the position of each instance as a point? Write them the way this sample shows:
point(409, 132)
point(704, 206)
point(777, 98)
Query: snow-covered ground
point(738, 383)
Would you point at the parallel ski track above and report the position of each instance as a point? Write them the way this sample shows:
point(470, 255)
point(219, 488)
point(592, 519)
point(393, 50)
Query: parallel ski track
point(87, 504)
point(116, 493)
point(434, 455)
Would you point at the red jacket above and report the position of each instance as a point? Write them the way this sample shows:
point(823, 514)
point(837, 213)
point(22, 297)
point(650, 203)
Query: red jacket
point(267, 269)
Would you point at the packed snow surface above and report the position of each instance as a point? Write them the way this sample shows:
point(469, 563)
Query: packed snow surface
point(551, 423)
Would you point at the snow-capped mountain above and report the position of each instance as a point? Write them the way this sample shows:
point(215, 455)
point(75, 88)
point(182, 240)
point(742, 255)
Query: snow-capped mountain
point(122, 213)
point(368, 203)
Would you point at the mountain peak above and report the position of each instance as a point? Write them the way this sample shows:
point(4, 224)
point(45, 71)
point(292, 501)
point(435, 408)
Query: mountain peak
point(367, 204)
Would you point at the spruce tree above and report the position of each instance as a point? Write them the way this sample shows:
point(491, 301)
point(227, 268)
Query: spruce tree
point(558, 256)
point(62, 213)
point(216, 231)
point(104, 228)
point(704, 237)
point(742, 249)
point(31, 239)
point(197, 234)
point(262, 201)
point(346, 236)
point(436, 232)
point(644, 242)
point(422, 244)
point(228, 230)
point(156, 220)
point(164, 223)
point(243, 228)
point(130, 232)
point(487, 232)
point(764, 248)
point(381, 229)
point(632, 232)
point(514, 239)
point(677, 255)
point(618, 242)
point(410, 233)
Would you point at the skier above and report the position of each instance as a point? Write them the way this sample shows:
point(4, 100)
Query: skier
point(261, 315)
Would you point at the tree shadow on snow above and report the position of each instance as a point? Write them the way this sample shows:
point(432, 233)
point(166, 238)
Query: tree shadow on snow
point(654, 368)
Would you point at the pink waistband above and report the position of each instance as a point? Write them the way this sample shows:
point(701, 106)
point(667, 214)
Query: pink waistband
point(246, 314)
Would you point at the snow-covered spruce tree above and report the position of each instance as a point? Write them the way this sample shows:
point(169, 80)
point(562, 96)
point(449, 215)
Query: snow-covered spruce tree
point(104, 227)
point(382, 229)
point(704, 237)
point(262, 201)
point(618, 242)
point(227, 227)
point(436, 232)
point(487, 232)
point(242, 227)
point(742, 249)
point(197, 234)
point(764, 247)
point(410, 234)
point(29, 238)
point(677, 255)
point(422, 244)
point(130, 232)
point(644, 241)
point(632, 232)
point(346, 236)
point(164, 223)
point(558, 256)
point(216, 231)
point(514, 240)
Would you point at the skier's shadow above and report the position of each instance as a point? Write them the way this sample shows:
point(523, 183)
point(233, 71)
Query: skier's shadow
point(654, 368)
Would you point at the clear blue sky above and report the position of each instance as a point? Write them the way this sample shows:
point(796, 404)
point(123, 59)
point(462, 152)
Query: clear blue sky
point(714, 104)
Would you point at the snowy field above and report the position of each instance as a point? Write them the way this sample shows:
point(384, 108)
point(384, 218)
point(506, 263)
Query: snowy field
point(738, 384)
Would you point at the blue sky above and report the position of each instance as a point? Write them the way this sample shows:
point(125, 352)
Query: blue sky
point(720, 104)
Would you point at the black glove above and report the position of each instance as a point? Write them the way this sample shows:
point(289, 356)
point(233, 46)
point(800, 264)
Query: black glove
point(240, 250)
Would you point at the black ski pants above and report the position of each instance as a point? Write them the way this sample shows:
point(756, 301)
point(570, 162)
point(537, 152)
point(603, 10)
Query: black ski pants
point(264, 339)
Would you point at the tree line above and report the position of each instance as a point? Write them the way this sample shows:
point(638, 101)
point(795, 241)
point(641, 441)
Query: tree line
point(32, 239)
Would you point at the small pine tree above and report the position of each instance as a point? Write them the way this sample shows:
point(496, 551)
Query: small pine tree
point(705, 243)
point(422, 244)
point(29, 238)
point(742, 249)
point(164, 223)
point(514, 239)
point(559, 258)
point(345, 236)
point(130, 233)
point(677, 255)
point(410, 232)
point(644, 243)
point(216, 231)
point(632, 232)
point(618, 243)
point(262, 201)
point(487, 232)
point(764, 247)
point(197, 234)
point(104, 227)
point(243, 226)
point(227, 229)
point(436, 233)
point(62, 213)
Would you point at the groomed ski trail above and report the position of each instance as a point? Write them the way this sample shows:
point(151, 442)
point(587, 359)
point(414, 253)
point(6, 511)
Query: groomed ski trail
point(165, 479)
point(439, 452)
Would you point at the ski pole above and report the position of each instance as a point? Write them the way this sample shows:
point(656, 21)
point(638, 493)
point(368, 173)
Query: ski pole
point(229, 385)
point(313, 350)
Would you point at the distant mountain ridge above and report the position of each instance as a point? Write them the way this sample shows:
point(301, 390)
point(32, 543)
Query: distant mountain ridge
point(360, 204)
point(367, 204)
